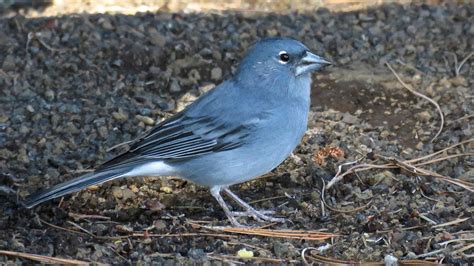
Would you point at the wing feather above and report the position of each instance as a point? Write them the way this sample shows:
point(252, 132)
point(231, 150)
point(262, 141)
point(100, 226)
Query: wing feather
point(183, 137)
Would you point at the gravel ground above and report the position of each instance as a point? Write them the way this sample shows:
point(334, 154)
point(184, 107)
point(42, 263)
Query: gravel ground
point(74, 86)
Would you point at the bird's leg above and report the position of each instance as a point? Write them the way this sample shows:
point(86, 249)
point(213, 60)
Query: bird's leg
point(246, 213)
point(216, 193)
point(259, 215)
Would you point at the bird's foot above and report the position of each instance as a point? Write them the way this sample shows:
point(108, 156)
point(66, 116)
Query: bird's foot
point(260, 216)
point(251, 211)
point(248, 214)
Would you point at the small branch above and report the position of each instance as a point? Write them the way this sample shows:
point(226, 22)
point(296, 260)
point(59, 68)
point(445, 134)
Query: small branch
point(434, 252)
point(445, 158)
point(289, 234)
point(78, 216)
point(62, 228)
point(410, 166)
point(461, 250)
point(45, 259)
point(424, 217)
point(338, 210)
point(457, 221)
point(233, 259)
point(354, 169)
point(455, 240)
point(440, 151)
point(406, 86)
point(37, 36)
point(458, 68)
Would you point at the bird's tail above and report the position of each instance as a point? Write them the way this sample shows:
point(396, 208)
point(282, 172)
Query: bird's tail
point(75, 184)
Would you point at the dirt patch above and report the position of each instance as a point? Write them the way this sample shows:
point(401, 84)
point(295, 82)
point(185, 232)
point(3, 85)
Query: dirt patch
point(374, 96)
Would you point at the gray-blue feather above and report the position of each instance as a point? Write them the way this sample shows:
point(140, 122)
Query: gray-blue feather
point(241, 129)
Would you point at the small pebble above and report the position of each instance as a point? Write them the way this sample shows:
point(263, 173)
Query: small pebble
point(216, 73)
point(146, 120)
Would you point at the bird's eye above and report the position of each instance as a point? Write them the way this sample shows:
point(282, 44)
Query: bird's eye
point(284, 57)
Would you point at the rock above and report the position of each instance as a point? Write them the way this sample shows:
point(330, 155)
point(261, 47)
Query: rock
point(390, 260)
point(459, 81)
point(468, 176)
point(167, 190)
point(120, 115)
point(30, 108)
point(471, 29)
point(216, 55)
point(146, 120)
point(3, 118)
point(156, 38)
point(424, 116)
point(105, 23)
point(384, 134)
point(216, 73)
point(147, 241)
point(52, 173)
point(167, 105)
point(49, 94)
point(154, 205)
point(285, 250)
point(103, 132)
point(117, 192)
point(386, 177)
point(194, 76)
point(159, 225)
point(122, 193)
point(197, 254)
point(9, 63)
point(206, 88)
point(174, 86)
point(349, 119)
point(127, 194)
point(185, 100)
point(154, 70)
point(244, 253)
point(419, 146)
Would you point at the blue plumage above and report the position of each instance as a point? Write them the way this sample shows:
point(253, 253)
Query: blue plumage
point(241, 129)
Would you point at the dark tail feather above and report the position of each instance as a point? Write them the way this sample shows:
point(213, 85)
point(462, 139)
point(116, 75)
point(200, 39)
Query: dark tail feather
point(74, 185)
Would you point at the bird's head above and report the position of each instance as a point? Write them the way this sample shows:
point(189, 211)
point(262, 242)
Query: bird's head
point(277, 57)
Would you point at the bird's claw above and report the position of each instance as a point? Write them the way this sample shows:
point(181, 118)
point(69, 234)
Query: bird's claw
point(248, 213)
point(260, 216)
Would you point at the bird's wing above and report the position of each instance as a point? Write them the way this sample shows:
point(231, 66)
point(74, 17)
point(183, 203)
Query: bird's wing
point(186, 136)
point(183, 136)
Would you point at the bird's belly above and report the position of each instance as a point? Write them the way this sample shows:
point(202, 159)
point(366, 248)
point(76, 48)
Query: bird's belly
point(266, 151)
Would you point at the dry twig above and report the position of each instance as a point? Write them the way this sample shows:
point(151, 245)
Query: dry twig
point(45, 259)
point(411, 166)
point(408, 87)
point(292, 234)
point(457, 221)
point(321, 260)
point(83, 231)
point(440, 151)
point(37, 35)
point(457, 69)
point(78, 216)
point(323, 199)
point(256, 259)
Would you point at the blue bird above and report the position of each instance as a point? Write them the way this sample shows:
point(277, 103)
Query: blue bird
point(243, 128)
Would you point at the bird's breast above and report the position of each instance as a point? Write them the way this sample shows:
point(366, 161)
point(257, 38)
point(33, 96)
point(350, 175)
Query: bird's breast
point(283, 131)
